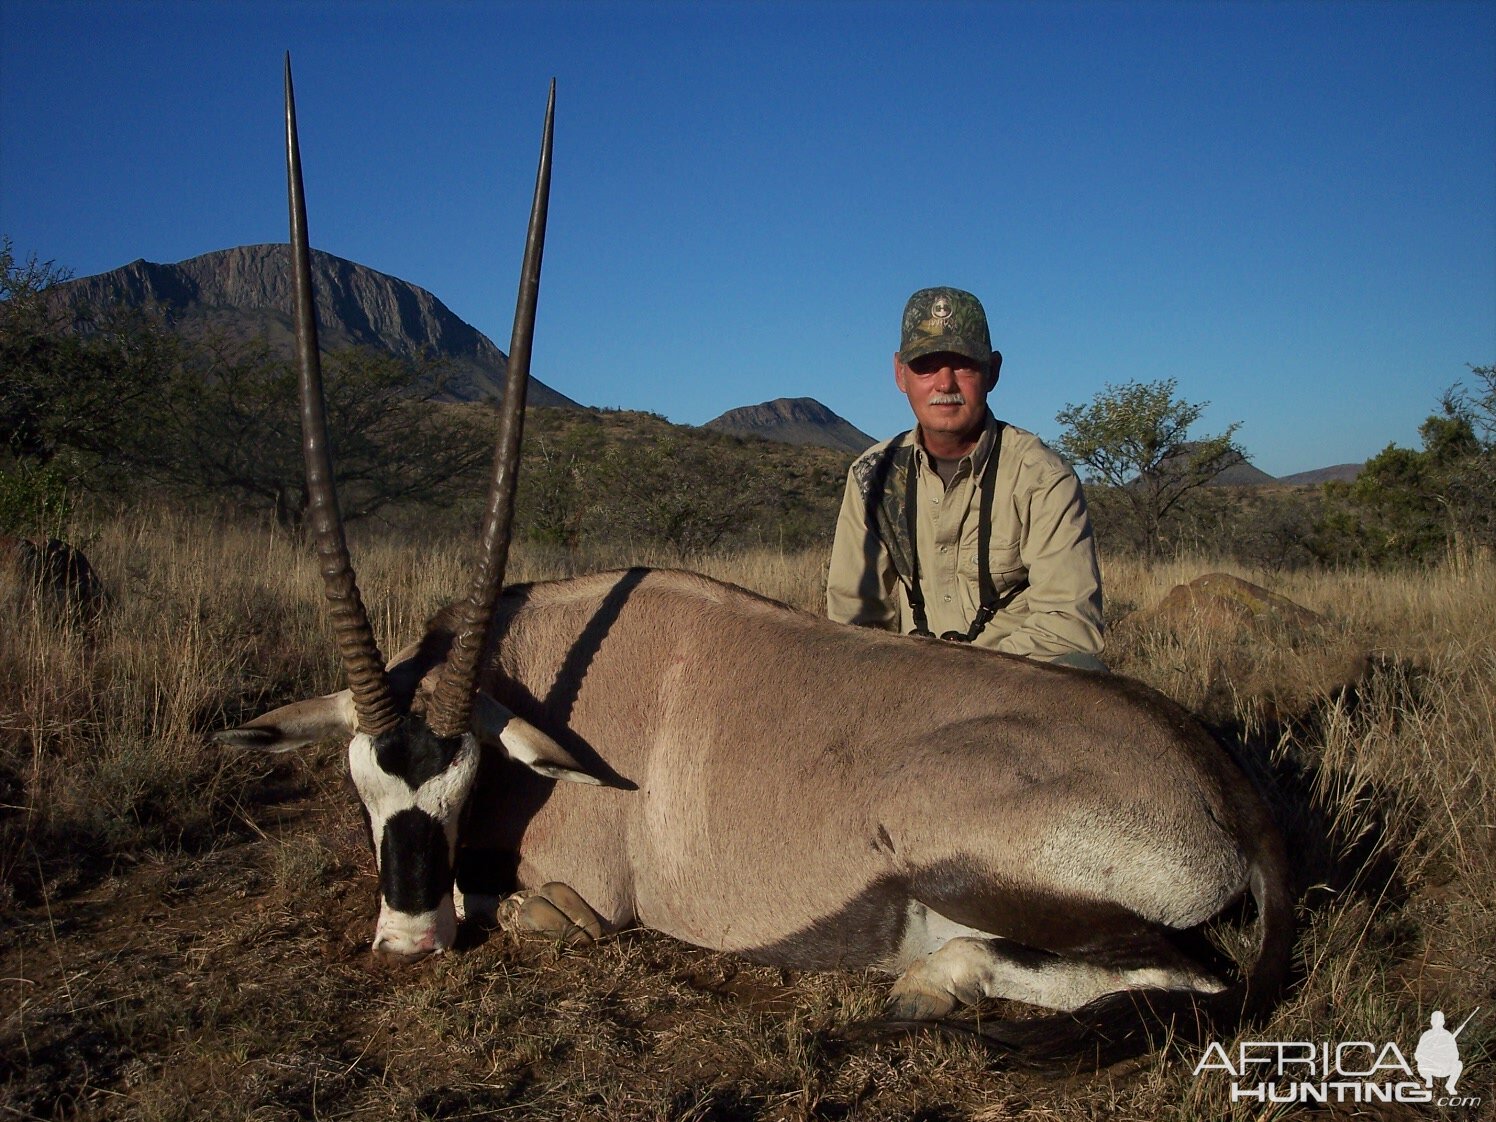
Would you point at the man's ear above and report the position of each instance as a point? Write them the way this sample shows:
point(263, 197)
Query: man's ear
point(899, 370)
point(994, 368)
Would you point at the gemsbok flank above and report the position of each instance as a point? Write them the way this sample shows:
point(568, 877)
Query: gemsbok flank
point(656, 748)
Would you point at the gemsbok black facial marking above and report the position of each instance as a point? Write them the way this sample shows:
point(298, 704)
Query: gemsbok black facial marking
point(415, 871)
point(412, 752)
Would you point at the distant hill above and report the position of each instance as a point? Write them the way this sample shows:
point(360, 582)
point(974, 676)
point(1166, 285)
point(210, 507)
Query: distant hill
point(1341, 473)
point(1240, 473)
point(793, 420)
point(245, 293)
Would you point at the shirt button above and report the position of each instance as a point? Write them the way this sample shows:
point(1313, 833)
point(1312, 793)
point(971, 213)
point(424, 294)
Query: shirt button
point(947, 597)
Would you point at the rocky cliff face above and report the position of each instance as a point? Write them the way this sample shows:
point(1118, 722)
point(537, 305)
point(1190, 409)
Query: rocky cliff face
point(793, 420)
point(246, 293)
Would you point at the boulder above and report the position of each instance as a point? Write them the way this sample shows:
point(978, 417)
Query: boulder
point(1228, 606)
point(1243, 653)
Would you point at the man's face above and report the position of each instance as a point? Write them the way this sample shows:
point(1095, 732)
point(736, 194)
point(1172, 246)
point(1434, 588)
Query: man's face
point(948, 393)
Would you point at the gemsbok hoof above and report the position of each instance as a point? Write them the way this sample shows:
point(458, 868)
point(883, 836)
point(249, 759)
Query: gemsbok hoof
point(553, 910)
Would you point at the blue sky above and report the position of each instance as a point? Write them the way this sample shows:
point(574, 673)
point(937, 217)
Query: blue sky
point(1289, 208)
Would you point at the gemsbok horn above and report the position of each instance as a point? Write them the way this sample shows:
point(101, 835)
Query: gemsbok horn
point(411, 767)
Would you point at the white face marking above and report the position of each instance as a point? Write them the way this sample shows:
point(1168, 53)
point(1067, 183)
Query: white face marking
point(442, 797)
point(385, 795)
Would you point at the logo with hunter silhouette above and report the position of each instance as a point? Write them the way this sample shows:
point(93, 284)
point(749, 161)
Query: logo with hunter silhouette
point(1438, 1051)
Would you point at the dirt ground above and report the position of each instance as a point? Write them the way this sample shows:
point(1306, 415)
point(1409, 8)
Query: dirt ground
point(184, 935)
point(237, 983)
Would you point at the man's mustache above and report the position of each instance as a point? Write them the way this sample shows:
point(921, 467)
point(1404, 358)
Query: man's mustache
point(948, 399)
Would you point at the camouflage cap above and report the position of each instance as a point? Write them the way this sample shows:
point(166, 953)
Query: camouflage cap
point(945, 319)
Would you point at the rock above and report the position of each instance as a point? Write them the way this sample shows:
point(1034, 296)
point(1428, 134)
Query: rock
point(1251, 653)
point(1222, 603)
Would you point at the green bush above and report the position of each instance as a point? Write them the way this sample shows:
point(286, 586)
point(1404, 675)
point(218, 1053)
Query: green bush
point(34, 502)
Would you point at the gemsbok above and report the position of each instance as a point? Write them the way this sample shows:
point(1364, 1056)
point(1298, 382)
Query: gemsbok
point(656, 748)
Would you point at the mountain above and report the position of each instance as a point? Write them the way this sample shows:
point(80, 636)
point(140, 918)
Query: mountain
point(793, 420)
point(1343, 473)
point(1238, 472)
point(245, 293)
point(1242, 474)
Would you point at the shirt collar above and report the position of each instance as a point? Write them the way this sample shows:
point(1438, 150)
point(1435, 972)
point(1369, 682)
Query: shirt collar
point(977, 456)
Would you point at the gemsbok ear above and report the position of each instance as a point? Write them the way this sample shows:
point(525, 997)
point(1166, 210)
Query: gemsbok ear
point(525, 744)
point(296, 725)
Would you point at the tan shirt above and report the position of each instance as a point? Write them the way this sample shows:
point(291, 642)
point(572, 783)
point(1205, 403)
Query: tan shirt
point(1040, 530)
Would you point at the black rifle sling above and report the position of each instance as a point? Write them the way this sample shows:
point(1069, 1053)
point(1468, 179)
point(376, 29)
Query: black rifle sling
point(991, 602)
point(911, 528)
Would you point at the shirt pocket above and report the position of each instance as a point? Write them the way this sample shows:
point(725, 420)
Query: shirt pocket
point(1007, 566)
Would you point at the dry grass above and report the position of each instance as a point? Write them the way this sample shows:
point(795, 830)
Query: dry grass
point(184, 931)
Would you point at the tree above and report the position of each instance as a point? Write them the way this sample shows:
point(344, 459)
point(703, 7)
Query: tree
point(228, 428)
point(32, 347)
point(1135, 439)
point(1417, 505)
point(553, 495)
point(115, 399)
point(684, 494)
point(34, 498)
point(69, 398)
point(1472, 483)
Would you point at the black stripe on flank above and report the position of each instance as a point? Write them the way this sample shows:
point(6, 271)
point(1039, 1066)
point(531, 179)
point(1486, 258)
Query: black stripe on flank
point(414, 869)
point(1100, 931)
point(868, 929)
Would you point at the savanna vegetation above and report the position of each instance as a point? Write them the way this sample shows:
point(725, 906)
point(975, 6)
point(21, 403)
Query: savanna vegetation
point(184, 929)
